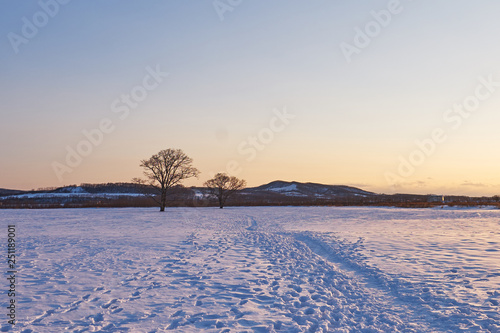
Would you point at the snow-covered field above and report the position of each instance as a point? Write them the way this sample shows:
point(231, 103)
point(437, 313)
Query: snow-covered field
point(256, 269)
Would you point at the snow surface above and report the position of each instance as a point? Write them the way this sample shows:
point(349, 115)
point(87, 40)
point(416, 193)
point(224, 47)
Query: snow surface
point(257, 269)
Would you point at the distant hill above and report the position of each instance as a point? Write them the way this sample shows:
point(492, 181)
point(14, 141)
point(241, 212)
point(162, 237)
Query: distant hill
point(85, 195)
point(313, 190)
point(4, 191)
point(84, 190)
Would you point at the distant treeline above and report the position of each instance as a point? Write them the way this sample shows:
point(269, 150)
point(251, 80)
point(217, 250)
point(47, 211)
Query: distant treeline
point(190, 197)
point(118, 188)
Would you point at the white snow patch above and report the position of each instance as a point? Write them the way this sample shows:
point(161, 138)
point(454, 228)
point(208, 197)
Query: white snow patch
point(199, 194)
point(289, 188)
point(77, 189)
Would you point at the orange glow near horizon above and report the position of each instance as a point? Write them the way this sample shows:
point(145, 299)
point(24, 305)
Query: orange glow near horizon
point(257, 95)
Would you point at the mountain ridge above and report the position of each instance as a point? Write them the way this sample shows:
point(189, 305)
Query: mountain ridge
point(309, 188)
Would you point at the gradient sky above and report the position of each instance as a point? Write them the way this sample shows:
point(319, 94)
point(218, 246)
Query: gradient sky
point(354, 120)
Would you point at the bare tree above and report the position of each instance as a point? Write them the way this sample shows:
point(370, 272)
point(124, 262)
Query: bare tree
point(222, 186)
point(165, 170)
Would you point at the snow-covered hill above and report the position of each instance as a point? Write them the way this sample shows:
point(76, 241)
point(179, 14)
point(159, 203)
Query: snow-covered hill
point(312, 190)
point(55, 195)
point(85, 195)
point(64, 192)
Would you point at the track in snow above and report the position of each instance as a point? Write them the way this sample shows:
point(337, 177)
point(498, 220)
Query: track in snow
point(208, 270)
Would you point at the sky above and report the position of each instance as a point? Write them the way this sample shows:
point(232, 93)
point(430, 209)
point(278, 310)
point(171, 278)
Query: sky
point(389, 96)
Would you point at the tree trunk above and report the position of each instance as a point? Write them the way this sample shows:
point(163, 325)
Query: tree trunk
point(163, 200)
point(221, 203)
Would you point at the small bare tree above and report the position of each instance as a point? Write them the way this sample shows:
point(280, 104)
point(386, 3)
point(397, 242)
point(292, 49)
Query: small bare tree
point(165, 170)
point(223, 186)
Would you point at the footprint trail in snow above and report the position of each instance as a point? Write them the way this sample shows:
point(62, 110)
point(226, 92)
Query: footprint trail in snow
point(236, 270)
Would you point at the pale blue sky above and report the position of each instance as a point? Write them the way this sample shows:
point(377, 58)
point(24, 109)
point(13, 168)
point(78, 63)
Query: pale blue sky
point(353, 120)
